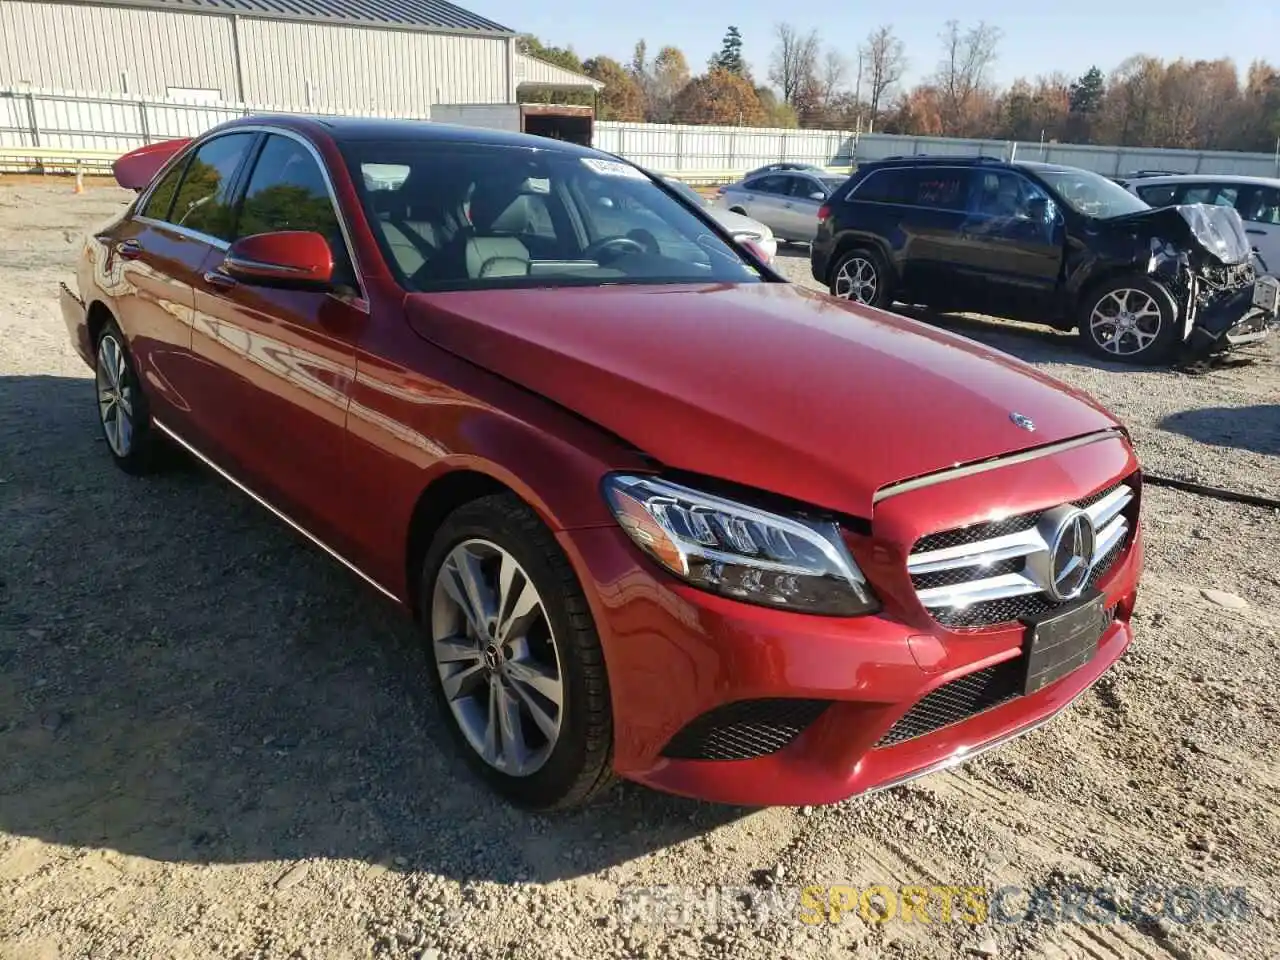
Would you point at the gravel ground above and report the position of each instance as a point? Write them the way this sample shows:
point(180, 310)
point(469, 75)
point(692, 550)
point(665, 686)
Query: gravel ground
point(214, 742)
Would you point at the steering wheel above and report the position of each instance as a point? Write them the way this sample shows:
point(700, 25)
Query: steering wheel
point(608, 249)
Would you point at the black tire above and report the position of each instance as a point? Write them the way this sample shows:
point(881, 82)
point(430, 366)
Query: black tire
point(854, 265)
point(1149, 301)
point(579, 765)
point(140, 452)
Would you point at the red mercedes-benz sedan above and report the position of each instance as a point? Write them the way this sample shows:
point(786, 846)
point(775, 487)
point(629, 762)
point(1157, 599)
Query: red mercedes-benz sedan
point(659, 513)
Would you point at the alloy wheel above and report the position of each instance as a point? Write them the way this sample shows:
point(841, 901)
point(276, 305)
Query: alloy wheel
point(497, 656)
point(856, 280)
point(1125, 322)
point(115, 396)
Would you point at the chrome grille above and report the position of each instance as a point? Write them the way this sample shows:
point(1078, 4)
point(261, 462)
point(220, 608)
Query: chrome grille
point(991, 572)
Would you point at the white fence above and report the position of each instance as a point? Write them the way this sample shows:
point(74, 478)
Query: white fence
point(78, 121)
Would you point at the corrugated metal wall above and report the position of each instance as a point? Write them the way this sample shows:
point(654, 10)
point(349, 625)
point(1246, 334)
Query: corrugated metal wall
point(114, 50)
point(72, 46)
point(350, 67)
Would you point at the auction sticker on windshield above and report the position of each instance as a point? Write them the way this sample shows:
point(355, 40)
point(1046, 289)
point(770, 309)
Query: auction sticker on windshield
point(612, 168)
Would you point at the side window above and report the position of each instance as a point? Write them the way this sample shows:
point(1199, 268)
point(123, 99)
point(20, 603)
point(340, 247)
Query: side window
point(802, 187)
point(1261, 205)
point(944, 189)
point(884, 186)
point(203, 202)
point(1160, 195)
point(161, 198)
point(1199, 193)
point(1005, 195)
point(287, 191)
point(771, 183)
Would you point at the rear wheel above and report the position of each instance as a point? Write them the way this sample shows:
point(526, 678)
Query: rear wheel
point(519, 670)
point(123, 412)
point(1130, 319)
point(861, 275)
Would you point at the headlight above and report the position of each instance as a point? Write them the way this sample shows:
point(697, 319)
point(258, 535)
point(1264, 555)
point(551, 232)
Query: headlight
point(740, 551)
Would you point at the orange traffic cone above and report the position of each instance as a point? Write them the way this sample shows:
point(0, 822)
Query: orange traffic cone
point(79, 180)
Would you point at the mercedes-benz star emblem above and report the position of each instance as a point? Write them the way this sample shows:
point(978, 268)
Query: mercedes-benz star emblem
point(1026, 423)
point(1070, 555)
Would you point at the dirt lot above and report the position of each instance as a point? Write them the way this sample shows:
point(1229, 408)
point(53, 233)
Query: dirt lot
point(214, 742)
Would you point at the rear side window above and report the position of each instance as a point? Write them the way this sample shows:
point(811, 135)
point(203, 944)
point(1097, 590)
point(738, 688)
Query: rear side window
point(944, 188)
point(1261, 205)
point(161, 199)
point(1160, 195)
point(772, 183)
point(203, 202)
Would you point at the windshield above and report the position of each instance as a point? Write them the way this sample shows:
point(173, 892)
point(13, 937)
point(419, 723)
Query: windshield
point(1091, 194)
point(452, 216)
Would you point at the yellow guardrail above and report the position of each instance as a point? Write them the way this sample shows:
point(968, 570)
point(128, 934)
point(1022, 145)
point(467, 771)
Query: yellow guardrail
point(731, 176)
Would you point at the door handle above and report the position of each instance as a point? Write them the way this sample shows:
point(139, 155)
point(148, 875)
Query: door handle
point(788, 204)
point(217, 278)
point(129, 249)
point(1256, 233)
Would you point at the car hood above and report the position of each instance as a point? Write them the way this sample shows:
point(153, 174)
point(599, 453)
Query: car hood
point(1216, 230)
point(766, 384)
point(737, 223)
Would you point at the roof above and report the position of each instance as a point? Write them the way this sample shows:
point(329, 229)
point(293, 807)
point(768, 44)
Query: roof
point(354, 129)
point(1228, 178)
point(423, 15)
point(534, 73)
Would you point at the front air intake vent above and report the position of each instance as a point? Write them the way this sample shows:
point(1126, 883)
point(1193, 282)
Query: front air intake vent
point(744, 730)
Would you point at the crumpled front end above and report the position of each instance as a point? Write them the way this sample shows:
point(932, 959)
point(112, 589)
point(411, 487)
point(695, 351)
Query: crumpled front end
point(1201, 253)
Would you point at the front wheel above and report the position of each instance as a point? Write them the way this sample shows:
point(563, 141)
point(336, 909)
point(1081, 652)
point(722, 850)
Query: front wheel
point(862, 276)
point(519, 671)
point(1131, 320)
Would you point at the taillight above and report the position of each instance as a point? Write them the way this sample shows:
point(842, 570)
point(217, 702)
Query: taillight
point(823, 212)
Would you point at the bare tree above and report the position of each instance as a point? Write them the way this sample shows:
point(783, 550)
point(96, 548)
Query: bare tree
point(962, 72)
point(832, 76)
point(885, 57)
point(795, 61)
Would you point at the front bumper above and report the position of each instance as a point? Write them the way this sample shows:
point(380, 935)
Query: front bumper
point(677, 656)
point(1232, 321)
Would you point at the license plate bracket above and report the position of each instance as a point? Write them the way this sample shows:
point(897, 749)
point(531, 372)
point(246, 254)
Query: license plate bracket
point(1266, 294)
point(1060, 641)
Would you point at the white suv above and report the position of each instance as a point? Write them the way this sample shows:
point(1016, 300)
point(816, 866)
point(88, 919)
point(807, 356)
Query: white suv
point(1256, 199)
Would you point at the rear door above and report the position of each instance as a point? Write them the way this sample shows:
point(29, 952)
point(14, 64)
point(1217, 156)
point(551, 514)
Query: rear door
point(158, 256)
point(1259, 208)
point(278, 363)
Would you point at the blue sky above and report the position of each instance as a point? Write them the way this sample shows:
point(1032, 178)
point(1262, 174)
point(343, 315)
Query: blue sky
point(1037, 37)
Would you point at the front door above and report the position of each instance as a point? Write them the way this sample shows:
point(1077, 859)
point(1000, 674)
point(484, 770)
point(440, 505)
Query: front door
point(765, 198)
point(1012, 243)
point(801, 208)
point(280, 363)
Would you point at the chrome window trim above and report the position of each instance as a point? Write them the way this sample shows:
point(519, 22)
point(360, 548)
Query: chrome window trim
point(361, 300)
point(185, 232)
point(954, 473)
point(172, 435)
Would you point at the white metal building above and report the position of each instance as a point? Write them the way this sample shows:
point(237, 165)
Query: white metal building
point(385, 56)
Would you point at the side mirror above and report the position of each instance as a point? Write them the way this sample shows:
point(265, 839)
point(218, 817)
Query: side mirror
point(817, 195)
point(1038, 209)
point(296, 259)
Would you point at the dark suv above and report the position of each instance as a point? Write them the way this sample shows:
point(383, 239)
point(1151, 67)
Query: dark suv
point(1047, 244)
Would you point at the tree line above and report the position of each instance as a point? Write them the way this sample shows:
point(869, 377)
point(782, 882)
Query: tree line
point(1145, 101)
